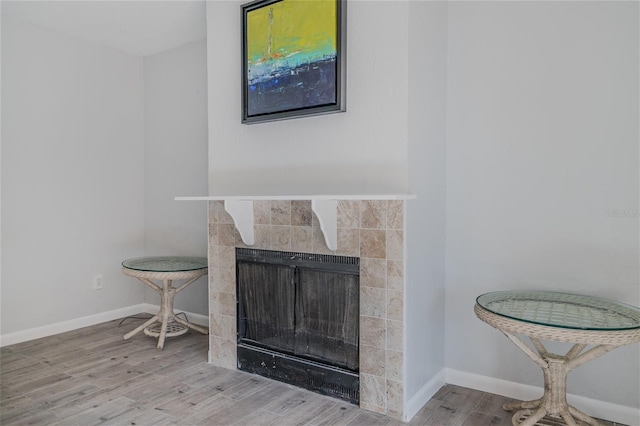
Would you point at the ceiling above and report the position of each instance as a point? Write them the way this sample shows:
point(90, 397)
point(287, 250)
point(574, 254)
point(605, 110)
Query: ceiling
point(138, 27)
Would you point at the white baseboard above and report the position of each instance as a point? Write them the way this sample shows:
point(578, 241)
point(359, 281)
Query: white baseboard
point(595, 408)
point(423, 395)
point(74, 324)
point(64, 326)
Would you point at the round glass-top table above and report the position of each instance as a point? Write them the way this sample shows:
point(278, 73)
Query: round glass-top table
point(167, 269)
point(563, 317)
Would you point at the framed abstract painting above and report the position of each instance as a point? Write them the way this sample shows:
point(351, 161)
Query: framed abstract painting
point(293, 59)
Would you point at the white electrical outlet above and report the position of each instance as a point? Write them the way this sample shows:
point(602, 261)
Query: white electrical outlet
point(97, 282)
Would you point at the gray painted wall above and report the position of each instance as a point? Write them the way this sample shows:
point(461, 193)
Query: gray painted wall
point(363, 150)
point(96, 143)
point(72, 176)
point(542, 143)
point(175, 118)
point(425, 238)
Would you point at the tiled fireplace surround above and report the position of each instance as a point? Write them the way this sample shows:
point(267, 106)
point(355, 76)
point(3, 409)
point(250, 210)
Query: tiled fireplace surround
point(371, 230)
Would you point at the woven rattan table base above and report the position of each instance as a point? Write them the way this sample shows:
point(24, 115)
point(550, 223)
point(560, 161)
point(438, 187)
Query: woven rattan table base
point(173, 329)
point(555, 367)
point(165, 323)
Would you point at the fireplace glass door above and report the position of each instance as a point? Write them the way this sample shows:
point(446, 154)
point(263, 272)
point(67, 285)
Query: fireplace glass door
point(266, 300)
point(327, 314)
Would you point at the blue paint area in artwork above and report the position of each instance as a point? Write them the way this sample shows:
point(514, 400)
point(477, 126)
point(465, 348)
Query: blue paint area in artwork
point(289, 88)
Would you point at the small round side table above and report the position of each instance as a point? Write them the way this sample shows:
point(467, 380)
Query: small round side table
point(167, 269)
point(562, 317)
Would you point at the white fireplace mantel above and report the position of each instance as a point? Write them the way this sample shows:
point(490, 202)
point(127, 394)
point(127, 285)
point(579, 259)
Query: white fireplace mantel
point(240, 208)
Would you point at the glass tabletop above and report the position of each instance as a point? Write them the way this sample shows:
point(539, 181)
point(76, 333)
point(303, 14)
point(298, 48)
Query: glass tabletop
point(166, 263)
point(562, 310)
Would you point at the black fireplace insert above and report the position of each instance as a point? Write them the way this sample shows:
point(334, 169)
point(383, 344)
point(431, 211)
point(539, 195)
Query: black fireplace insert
point(298, 319)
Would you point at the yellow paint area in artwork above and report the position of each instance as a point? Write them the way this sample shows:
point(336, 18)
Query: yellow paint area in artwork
point(292, 27)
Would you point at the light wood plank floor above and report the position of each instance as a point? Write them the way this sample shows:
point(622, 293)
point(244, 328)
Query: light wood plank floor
point(92, 376)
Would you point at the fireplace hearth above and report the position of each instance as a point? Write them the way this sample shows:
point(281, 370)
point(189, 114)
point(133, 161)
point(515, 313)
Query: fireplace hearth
point(298, 319)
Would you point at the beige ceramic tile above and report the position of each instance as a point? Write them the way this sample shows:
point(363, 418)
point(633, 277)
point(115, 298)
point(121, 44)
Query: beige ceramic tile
point(227, 281)
point(395, 216)
point(394, 366)
point(373, 272)
point(228, 353)
point(227, 304)
point(211, 283)
point(223, 216)
point(348, 242)
point(395, 275)
point(370, 358)
point(229, 329)
point(394, 305)
point(214, 350)
point(213, 234)
point(373, 214)
point(373, 302)
point(262, 212)
point(394, 335)
point(373, 243)
point(280, 212)
point(227, 234)
point(373, 332)
point(373, 392)
point(280, 238)
point(214, 299)
point(301, 213)
point(226, 257)
point(395, 244)
point(214, 328)
point(223, 326)
point(213, 256)
point(262, 236)
point(213, 259)
point(395, 399)
point(214, 278)
point(349, 214)
point(302, 239)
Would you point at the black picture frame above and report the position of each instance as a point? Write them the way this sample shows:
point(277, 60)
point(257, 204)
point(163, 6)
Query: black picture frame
point(283, 83)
